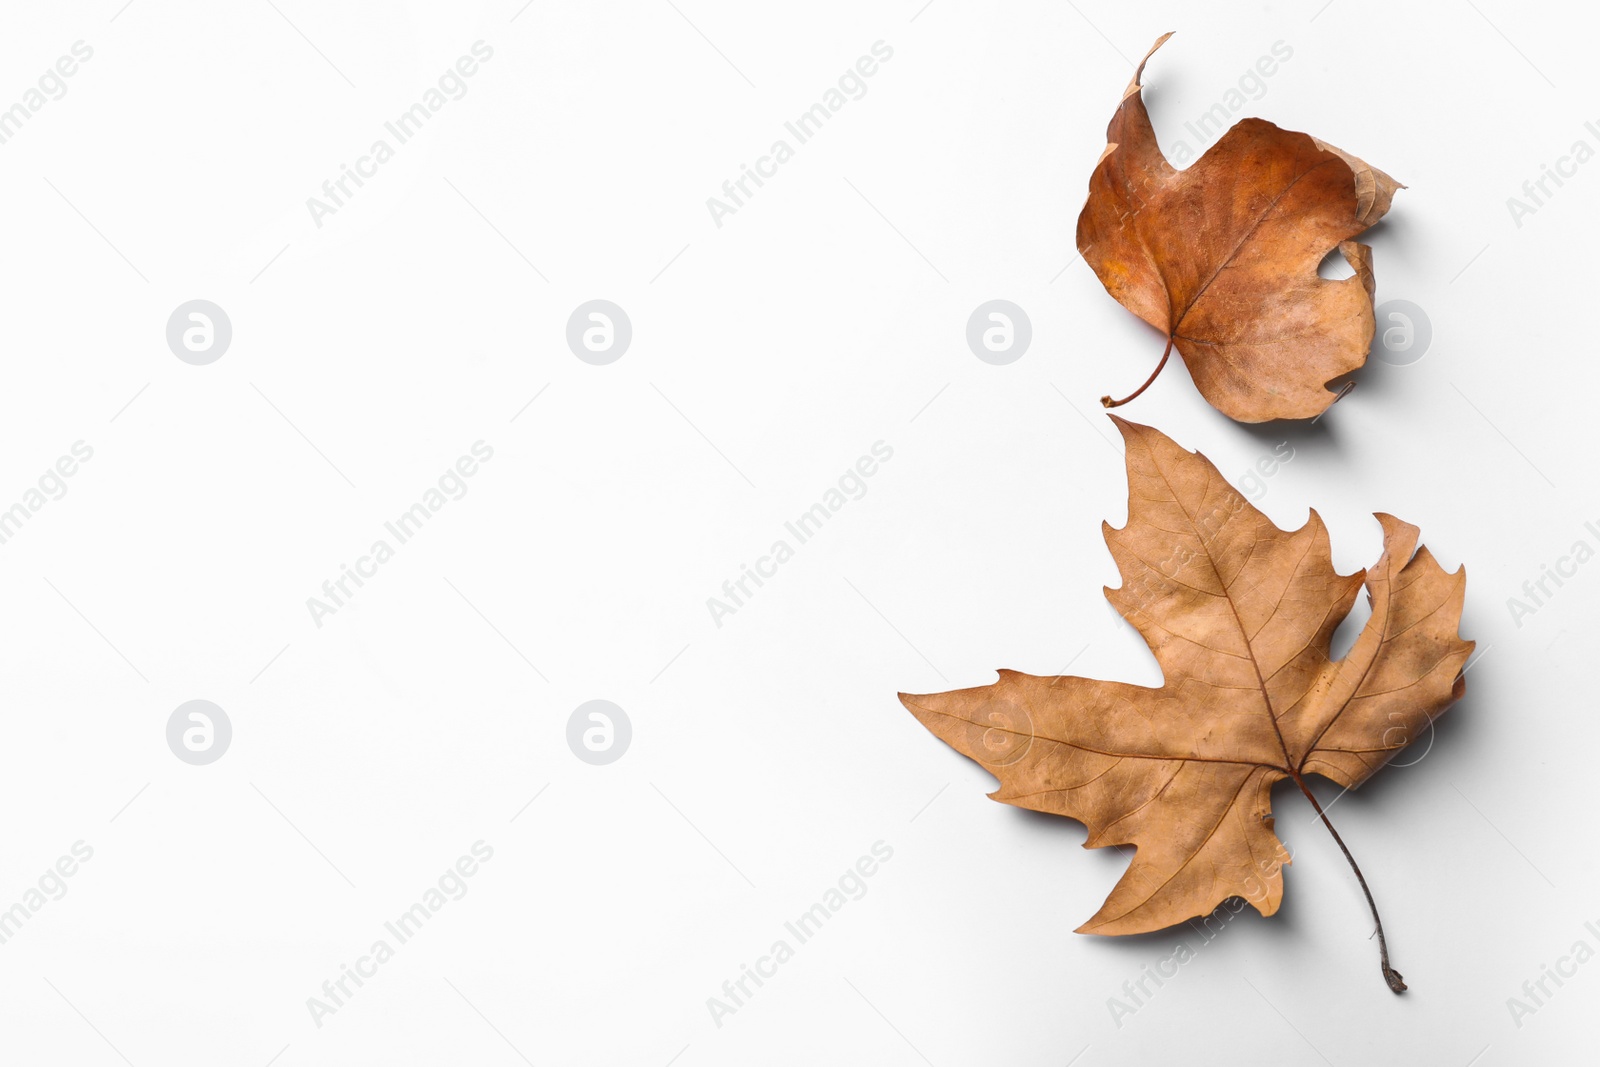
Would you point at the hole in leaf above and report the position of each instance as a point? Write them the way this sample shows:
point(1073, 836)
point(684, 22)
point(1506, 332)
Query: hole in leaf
point(1335, 267)
point(1350, 628)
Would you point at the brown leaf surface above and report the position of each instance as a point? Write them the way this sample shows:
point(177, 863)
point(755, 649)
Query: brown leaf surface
point(1222, 258)
point(1239, 615)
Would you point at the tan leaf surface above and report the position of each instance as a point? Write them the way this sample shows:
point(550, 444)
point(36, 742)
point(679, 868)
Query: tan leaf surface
point(1239, 615)
point(1222, 258)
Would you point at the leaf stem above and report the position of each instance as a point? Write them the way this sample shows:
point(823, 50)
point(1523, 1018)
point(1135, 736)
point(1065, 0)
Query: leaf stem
point(1390, 975)
point(1108, 402)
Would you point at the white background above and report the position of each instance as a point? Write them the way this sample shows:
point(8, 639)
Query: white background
point(768, 354)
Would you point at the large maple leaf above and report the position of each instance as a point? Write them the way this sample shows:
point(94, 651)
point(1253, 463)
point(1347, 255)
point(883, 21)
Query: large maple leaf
point(1222, 258)
point(1240, 616)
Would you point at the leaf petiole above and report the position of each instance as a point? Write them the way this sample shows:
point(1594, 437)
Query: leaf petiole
point(1108, 402)
point(1390, 975)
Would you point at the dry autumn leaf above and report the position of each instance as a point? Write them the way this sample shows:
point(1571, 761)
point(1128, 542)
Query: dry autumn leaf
point(1240, 616)
point(1222, 257)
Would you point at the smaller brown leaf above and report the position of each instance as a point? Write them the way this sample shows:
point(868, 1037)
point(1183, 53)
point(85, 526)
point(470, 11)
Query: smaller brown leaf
point(1222, 258)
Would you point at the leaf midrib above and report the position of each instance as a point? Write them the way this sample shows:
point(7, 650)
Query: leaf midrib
point(1255, 665)
point(1179, 319)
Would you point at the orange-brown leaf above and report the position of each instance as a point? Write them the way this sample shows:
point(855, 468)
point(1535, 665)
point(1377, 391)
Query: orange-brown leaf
point(1222, 258)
